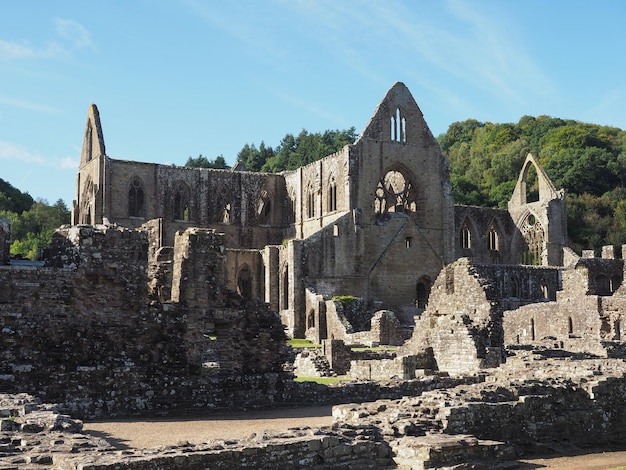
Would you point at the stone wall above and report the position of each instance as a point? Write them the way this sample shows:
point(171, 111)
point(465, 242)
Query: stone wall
point(87, 335)
point(504, 248)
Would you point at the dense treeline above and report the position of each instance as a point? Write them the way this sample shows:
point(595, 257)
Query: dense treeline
point(587, 160)
point(294, 152)
point(32, 222)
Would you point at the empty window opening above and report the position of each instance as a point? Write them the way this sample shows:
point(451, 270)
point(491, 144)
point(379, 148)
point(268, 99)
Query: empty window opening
point(544, 290)
point(532, 329)
point(616, 282)
point(244, 282)
point(181, 202)
point(465, 239)
point(493, 239)
point(617, 326)
point(264, 209)
point(532, 184)
point(135, 199)
point(332, 195)
point(395, 193)
point(408, 242)
point(310, 206)
point(335, 230)
point(226, 215)
point(422, 292)
point(570, 326)
point(398, 127)
point(310, 320)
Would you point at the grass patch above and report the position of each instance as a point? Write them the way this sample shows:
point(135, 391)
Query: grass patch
point(321, 380)
point(344, 300)
point(302, 343)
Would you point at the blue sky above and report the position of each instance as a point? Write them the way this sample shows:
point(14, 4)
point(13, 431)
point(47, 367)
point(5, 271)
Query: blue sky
point(179, 78)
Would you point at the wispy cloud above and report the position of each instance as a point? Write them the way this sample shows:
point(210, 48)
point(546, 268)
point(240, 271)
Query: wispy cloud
point(75, 33)
point(14, 50)
point(70, 37)
point(17, 153)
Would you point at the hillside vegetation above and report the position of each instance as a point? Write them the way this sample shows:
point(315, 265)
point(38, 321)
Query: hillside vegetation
point(32, 222)
point(587, 160)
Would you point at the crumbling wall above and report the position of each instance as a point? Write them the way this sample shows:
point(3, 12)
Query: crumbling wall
point(88, 335)
point(462, 323)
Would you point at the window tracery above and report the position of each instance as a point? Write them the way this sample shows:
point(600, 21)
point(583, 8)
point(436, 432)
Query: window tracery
point(394, 193)
point(534, 235)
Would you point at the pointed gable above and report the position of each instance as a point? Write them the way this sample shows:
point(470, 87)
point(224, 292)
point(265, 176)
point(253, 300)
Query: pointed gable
point(398, 118)
point(93, 142)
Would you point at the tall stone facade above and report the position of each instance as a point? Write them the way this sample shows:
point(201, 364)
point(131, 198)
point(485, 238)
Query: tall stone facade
point(375, 221)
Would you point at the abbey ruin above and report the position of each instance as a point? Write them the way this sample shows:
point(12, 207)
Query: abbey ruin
point(176, 288)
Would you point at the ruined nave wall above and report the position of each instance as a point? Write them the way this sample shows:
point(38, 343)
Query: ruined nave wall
point(86, 334)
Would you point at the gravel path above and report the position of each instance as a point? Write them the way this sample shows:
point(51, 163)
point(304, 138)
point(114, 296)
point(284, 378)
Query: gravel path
point(147, 433)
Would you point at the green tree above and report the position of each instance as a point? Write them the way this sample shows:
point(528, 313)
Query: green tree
point(218, 162)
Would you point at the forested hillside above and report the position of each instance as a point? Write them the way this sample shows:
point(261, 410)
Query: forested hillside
point(587, 160)
point(32, 222)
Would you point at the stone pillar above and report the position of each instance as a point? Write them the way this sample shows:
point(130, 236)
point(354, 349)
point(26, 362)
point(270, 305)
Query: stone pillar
point(271, 261)
point(608, 252)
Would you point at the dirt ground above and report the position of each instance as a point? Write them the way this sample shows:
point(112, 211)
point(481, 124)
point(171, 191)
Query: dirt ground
point(146, 433)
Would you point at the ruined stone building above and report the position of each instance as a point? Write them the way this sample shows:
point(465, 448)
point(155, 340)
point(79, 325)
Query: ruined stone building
point(137, 307)
point(375, 221)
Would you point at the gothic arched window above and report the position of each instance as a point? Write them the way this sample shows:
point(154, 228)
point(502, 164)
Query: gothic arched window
point(493, 239)
point(332, 194)
point(465, 237)
point(395, 193)
point(181, 202)
point(136, 199)
point(533, 234)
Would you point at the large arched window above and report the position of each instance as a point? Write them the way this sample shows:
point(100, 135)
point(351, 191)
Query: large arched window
point(136, 199)
point(395, 193)
point(182, 202)
point(533, 234)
